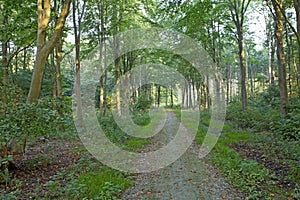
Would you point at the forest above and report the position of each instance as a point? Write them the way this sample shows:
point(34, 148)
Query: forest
point(150, 99)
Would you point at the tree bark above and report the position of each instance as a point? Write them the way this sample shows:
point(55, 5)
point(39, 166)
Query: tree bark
point(77, 34)
point(43, 48)
point(277, 5)
point(238, 9)
point(297, 9)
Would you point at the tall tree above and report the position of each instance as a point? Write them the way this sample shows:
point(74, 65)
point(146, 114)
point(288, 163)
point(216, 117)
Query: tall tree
point(278, 19)
point(238, 10)
point(77, 17)
point(44, 48)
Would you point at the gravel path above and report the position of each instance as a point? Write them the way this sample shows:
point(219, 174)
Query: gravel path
point(189, 178)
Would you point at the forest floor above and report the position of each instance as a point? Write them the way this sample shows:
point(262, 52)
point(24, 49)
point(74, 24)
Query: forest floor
point(187, 178)
point(61, 168)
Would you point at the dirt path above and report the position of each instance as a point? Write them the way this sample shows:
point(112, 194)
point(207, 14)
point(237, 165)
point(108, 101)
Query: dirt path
point(188, 178)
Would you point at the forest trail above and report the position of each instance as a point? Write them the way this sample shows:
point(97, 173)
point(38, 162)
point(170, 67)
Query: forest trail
point(187, 178)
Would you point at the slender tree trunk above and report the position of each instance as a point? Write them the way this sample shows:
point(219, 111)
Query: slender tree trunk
point(4, 62)
point(272, 61)
point(77, 34)
point(242, 68)
point(24, 59)
point(238, 10)
point(289, 42)
point(183, 97)
point(172, 100)
point(190, 95)
point(58, 55)
point(158, 95)
point(4, 45)
point(228, 82)
point(194, 96)
point(297, 9)
point(118, 84)
point(166, 96)
point(54, 92)
point(198, 95)
point(277, 4)
point(104, 81)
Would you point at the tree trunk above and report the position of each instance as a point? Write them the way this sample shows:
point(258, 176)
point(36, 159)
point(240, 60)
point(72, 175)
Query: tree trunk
point(272, 60)
point(238, 10)
point(277, 4)
point(53, 67)
point(172, 100)
point(166, 96)
point(24, 60)
point(182, 97)
point(242, 68)
point(297, 9)
point(4, 62)
point(77, 34)
point(104, 81)
point(58, 55)
point(158, 96)
point(43, 48)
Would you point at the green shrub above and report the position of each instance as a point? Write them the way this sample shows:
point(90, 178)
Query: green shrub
point(288, 128)
point(142, 103)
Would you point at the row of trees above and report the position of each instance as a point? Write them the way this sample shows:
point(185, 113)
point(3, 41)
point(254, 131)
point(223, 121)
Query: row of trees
point(40, 44)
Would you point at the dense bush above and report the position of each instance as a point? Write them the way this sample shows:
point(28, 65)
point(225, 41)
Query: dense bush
point(21, 120)
point(255, 117)
point(142, 103)
point(263, 115)
point(288, 127)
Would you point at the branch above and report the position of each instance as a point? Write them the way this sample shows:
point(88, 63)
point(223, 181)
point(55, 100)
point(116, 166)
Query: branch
point(288, 21)
point(59, 27)
point(16, 53)
point(244, 10)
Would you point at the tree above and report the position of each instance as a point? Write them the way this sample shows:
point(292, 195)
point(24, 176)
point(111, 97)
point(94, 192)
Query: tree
point(278, 19)
point(238, 10)
point(44, 48)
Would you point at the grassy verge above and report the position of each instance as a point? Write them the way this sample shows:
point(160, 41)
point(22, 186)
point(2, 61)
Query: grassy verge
point(244, 158)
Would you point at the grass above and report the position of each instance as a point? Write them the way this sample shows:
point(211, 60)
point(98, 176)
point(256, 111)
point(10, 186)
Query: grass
point(136, 144)
point(104, 183)
point(246, 174)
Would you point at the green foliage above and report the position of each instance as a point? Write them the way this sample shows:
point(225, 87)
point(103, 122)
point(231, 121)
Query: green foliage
point(135, 143)
point(142, 103)
point(22, 120)
point(5, 175)
point(288, 127)
point(141, 118)
point(115, 134)
point(245, 174)
point(103, 184)
point(256, 117)
point(28, 119)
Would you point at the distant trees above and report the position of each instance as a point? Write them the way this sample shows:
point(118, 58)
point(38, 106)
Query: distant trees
point(220, 27)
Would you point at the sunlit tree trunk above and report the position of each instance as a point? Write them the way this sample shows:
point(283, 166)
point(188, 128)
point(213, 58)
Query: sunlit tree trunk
point(4, 45)
point(45, 48)
point(272, 61)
